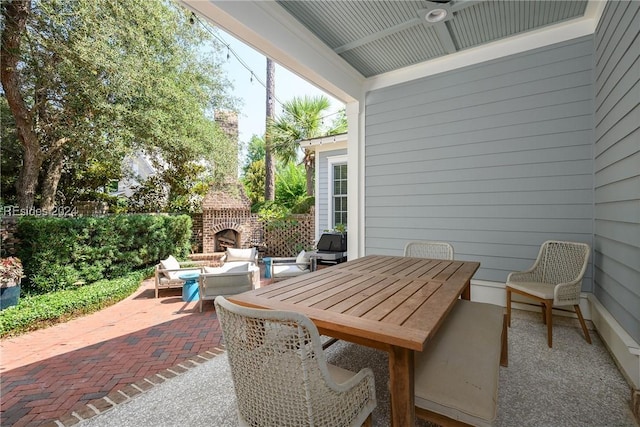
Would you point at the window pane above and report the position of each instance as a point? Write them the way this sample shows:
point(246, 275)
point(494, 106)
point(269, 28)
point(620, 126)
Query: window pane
point(339, 194)
point(343, 172)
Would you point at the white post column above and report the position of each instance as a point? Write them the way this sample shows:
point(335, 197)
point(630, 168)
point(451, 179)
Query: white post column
point(355, 186)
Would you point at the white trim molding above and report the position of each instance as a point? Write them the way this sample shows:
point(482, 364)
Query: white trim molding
point(625, 350)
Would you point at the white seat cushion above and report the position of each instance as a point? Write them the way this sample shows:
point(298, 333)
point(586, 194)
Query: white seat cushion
point(175, 275)
point(230, 267)
point(538, 289)
point(235, 254)
point(457, 374)
point(301, 259)
point(287, 270)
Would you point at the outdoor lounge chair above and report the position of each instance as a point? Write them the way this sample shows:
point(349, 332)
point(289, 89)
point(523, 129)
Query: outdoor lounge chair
point(168, 270)
point(429, 249)
point(227, 280)
point(281, 375)
point(555, 279)
point(282, 268)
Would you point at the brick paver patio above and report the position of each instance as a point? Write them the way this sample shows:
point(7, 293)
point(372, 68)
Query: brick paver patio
point(48, 374)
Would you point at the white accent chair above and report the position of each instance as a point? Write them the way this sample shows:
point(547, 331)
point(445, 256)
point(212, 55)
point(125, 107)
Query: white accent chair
point(281, 375)
point(230, 279)
point(555, 279)
point(429, 249)
point(237, 255)
point(283, 268)
point(168, 270)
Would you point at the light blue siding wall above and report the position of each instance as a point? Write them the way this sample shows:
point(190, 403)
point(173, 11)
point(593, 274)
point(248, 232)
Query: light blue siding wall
point(322, 198)
point(495, 158)
point(617, 164)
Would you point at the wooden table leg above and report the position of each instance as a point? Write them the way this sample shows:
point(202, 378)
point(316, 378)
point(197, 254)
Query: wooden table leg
point(401, 384)
point(466, 293)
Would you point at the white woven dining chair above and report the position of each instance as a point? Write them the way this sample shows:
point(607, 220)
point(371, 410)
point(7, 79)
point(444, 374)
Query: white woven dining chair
point(555, 279)
point(429, 249)
point(281, 376)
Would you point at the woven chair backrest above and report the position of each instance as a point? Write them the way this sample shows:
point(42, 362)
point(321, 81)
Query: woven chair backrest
point(274, 358)
point(429, 249)
point(562, 262)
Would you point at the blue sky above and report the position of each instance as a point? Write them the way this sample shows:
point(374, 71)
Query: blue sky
point(251, 119)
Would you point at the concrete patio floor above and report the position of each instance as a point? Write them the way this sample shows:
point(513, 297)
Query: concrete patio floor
point(85, 367)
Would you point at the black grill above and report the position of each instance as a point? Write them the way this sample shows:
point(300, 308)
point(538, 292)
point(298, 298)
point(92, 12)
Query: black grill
point(331, 248)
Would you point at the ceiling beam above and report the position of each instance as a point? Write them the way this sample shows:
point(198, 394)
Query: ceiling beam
point(440, 28)
point(379, 35)
point(462, 4)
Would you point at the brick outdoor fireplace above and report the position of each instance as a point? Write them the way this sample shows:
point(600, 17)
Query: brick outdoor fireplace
point(227, 220)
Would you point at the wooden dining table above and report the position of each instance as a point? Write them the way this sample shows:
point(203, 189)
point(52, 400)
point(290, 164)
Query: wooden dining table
point(392, 303)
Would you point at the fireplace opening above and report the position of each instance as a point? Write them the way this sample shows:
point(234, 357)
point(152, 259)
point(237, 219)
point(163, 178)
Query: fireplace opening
point(226, 239)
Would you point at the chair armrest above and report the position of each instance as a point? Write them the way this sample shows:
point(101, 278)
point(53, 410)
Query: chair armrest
point(301, 264)
point(567, 293)
point(521, 276)
point(169, 270)
point(225, 274)
point(289, 261)
point(184, 265)
point(284, 260)
point(161, 271)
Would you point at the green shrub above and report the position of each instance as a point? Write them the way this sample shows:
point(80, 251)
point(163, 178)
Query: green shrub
point(303, 205)
point(33, 312)
point(55, 274)
point(59, 253)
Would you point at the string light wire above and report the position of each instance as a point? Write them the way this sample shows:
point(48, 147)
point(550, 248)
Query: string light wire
point(230, 50)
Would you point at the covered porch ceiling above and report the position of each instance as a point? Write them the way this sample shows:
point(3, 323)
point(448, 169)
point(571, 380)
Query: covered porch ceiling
point(349, 47)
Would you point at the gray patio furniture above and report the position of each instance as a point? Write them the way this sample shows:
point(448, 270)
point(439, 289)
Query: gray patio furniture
point(285, 267)
point(555, 279)
point(230, 279)
point(281, 375)
point(240, 256)
point(168, 270)
point(429, 249)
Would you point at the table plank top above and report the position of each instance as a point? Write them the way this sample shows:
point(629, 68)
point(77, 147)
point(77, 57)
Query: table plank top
point(375, 300)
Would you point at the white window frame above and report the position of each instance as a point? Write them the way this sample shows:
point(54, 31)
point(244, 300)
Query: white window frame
point(331, 162)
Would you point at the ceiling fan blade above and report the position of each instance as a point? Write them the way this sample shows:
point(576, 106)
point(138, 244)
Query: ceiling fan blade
point(463, 4)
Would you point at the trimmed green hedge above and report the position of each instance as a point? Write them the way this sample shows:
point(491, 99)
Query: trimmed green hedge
point(34, 312)
point(61, 253)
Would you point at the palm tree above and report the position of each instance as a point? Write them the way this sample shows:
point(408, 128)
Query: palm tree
point(301, 119)
point(269, 161)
